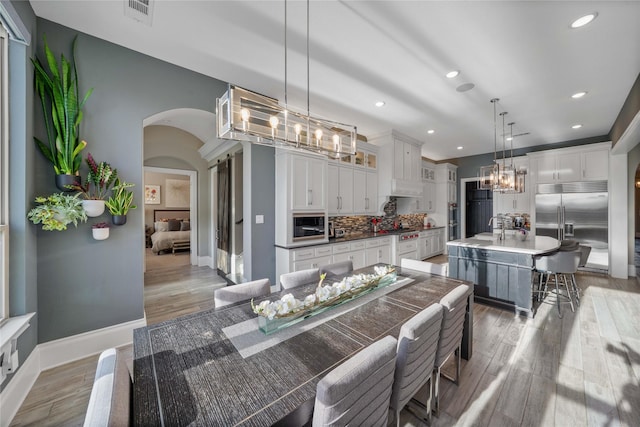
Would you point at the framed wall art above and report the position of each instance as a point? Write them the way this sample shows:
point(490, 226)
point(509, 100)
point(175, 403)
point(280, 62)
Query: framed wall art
point(152, 194)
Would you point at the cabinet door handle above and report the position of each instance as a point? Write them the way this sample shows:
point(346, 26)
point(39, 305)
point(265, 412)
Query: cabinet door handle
point(366, 203)
point(340, 202)
point(310, 201)
point(583, 173)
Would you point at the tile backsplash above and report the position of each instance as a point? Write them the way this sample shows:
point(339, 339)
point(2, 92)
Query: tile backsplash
point(362, 223)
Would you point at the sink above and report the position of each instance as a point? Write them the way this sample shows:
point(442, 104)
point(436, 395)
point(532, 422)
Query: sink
point(484, 236)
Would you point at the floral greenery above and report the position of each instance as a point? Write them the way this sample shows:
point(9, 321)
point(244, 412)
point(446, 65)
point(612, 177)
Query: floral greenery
point(57, 210)
point(100, 225)
point(101, 176)
point(347, 288)
point(121, 199)
point(62, 109)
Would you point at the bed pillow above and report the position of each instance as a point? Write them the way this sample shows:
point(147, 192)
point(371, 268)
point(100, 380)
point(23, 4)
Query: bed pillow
point(174, 225)
point(185, 226)
point(161, 226)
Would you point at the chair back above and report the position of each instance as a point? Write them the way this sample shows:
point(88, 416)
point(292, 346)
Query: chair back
point(455, 306)
point(357, 391)
point(338, 268)
point(565, 262)
point(297, 278)
point(425, 266)
point(417, 345)
point(110, 400)
point(584, 255)
point(241, 292)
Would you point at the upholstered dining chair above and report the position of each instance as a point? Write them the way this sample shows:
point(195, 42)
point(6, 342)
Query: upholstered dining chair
point(337, 268)
point(241, 292)
point(357, 391)
point(417, 345)
point(297, 278)
point(450, 341)
point(425, 266)
point(110, 400)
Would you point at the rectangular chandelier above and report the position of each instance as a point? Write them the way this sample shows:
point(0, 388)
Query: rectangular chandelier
point(502, 179)
point(244, 115)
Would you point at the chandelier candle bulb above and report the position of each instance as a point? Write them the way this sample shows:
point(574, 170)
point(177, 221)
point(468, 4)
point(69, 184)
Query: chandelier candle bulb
point(245, 114)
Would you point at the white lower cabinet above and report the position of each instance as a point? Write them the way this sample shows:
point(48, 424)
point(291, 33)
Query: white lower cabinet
point(430, 243)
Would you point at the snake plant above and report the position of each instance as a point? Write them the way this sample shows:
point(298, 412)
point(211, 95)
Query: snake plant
point(121, 199)
point(62, 109)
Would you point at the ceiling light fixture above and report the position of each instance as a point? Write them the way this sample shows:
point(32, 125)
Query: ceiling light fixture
point(460, 147)
point(431, 131)
point(584, 20)
point(499, 176)
point(452, 74)
point(578, 126)
point(380, 104)
point(578, 95)
point(243, 115)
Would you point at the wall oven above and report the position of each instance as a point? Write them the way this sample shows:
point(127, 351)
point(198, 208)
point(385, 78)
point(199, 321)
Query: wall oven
point(309, 226)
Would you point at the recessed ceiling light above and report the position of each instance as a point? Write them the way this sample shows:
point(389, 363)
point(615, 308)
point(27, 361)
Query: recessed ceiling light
point(452, 74)
point(578, 95)
point(431, 131)
point(584, 20)
point(576, 126)
point(460, 147)
point(465, 87)
point(509, 138)
point(380, 104)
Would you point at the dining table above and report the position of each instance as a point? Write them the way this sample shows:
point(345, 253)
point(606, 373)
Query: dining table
point(217, 368)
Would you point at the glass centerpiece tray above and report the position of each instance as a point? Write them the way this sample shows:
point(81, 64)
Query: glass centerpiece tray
point(287, 311)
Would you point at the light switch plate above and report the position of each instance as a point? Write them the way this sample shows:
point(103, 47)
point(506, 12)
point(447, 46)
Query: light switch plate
point(259, 219)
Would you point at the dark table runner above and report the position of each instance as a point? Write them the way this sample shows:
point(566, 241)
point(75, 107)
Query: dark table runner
point(186, 371)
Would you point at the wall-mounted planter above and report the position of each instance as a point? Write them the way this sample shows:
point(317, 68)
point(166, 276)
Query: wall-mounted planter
point(119, 219)
point(63, 180)
point(100, 233)
point(93, 208)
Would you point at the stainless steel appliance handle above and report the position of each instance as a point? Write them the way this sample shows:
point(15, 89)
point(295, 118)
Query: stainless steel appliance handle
point(563, 222)
point(558, 222)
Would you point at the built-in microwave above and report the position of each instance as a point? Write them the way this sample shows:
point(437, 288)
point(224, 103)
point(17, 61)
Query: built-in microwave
point(309, 226)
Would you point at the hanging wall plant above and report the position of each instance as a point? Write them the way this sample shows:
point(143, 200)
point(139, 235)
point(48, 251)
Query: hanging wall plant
point(58, 90)
point(100, 231)
point(56, 211)
point(99, 180)
point(120, 202)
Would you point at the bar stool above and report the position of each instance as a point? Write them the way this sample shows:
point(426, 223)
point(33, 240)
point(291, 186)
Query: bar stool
point(562, 265)
point(584, 256)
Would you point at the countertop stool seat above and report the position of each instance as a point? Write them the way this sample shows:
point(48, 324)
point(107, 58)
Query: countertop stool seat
point(561, 266)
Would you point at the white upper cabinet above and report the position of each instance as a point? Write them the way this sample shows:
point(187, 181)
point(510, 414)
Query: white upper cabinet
point(400, 171)
point(340, 189)
point(514, 202)
point(582, 163)
point(308, 182)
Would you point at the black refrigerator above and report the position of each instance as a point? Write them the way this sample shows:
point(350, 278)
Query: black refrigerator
point(577, 211)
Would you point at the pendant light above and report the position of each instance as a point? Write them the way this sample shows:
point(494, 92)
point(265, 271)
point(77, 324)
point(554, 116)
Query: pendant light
point(244, 115)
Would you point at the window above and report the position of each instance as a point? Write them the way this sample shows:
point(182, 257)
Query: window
point(4, 175)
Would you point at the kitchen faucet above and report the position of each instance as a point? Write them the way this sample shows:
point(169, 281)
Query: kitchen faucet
point(501, 222)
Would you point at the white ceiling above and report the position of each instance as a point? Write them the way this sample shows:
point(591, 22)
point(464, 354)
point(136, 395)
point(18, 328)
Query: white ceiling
point(522, 52)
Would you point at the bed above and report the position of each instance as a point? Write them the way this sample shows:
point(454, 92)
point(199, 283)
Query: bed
point(170, 226)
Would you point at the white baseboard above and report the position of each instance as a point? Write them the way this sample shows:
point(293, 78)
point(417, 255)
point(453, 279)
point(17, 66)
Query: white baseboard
point(69, 349)
point(16, 391)
point(632, 270)
point(55, 353)
point(205, 261)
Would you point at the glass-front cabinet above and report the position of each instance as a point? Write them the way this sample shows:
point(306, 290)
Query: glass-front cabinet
point(365, 158)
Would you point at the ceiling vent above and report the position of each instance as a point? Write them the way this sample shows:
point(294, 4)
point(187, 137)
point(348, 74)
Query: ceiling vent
point(140, 10)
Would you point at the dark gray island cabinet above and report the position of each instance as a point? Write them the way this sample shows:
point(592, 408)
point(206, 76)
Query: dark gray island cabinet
point(501, 270)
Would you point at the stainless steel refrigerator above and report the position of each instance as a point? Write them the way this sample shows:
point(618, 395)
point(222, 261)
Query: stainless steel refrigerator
point(577, 211)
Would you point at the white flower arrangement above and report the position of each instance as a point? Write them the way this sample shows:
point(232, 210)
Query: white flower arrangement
point(288, 305)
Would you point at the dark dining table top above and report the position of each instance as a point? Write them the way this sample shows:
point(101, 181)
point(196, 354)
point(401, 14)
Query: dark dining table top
point(187, 372)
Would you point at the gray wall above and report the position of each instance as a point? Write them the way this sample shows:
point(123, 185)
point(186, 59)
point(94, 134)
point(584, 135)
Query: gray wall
point(169, 147)
point(85, 284)
point(22, 251)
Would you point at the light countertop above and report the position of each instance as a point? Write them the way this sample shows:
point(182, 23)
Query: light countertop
point(533, 245)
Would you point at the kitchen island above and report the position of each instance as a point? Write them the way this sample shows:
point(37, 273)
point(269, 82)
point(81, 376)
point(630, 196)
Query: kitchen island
point(501, 270)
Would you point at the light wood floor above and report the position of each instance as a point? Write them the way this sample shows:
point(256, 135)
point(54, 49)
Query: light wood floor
point(582, 370)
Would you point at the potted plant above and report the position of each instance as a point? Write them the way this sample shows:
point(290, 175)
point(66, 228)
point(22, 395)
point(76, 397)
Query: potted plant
point(57, 210)
point(100, 230)
point(57, 89)
point(120, 202)
point(99, 179)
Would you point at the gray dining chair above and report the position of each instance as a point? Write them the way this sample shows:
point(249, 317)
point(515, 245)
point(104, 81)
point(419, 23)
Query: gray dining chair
point(337, 268)
point(450, 341)
point(357, 392)
point(425, 266)
point(110, 400)
point(417, 345)
point(241, 292)
point(297, 278)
